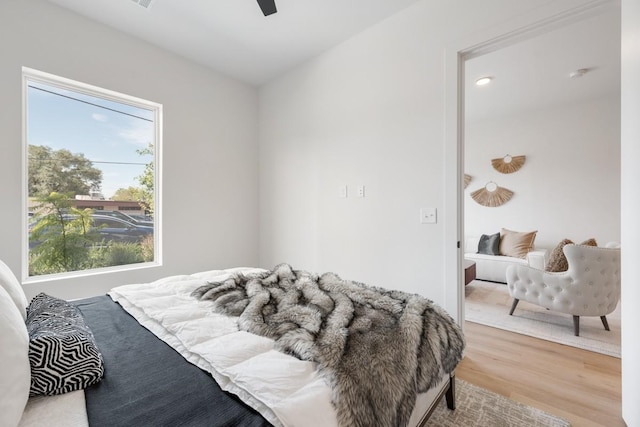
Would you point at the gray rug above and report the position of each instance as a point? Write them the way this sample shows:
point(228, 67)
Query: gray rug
point(476, 406)
point(488, 303)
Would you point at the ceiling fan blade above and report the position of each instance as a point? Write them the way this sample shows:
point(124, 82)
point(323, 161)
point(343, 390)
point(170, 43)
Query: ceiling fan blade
point(268, 6)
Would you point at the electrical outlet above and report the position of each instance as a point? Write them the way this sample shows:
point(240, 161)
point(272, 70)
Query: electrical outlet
point(360, 190)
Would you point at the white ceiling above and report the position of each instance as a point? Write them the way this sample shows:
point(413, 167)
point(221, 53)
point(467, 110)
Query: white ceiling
point(233, 37)
point(534, 73)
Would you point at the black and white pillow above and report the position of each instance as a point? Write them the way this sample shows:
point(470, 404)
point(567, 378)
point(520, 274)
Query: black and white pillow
point(62, 350)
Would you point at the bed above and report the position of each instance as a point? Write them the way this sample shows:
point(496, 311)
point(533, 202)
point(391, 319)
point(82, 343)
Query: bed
point(177, 351)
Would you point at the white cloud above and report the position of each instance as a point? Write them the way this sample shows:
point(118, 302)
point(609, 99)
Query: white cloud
point(140, 132)
point(99, 117)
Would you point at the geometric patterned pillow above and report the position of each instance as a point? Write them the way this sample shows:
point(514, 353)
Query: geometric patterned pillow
point(62, 350)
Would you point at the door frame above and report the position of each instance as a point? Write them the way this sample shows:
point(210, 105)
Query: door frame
point(538, 21)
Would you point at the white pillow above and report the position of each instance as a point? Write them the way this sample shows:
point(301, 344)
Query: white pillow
point(10, 284)
point(15, 372)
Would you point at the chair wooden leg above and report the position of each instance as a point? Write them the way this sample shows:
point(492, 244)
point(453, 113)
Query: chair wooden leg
point(576, 326)
point(513, 306)
point(451, 392)
point(605, 323)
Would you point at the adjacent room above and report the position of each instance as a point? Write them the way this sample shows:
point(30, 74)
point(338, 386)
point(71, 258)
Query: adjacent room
point(552, 107)
point(264, 213)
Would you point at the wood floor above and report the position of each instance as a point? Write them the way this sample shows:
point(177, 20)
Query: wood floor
point(578, 385)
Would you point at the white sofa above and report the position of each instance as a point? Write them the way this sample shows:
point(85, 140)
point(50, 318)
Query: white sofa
point(494, 267)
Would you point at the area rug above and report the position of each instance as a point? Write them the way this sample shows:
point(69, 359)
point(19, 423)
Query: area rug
point(489, 303)
point(476, 406)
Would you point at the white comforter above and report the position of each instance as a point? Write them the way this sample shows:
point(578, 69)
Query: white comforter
point(284, 389)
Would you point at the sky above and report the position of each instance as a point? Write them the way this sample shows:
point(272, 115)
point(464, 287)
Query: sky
point(106, 132)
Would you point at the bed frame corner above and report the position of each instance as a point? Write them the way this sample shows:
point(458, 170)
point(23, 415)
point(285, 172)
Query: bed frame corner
point(451, 392)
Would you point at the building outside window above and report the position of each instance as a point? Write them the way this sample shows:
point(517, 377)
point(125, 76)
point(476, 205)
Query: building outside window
point(92, 177)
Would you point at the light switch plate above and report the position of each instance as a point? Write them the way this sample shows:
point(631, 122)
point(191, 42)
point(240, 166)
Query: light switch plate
point(428, 216)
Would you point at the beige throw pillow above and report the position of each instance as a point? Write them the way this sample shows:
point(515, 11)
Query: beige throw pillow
point(558, 261)
point(516, 244)
point(590, 242)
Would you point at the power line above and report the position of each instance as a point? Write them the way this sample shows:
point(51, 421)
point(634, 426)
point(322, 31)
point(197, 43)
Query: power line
point(90, 103)
point(92, 161)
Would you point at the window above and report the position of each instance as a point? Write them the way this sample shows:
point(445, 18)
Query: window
point(89, 152)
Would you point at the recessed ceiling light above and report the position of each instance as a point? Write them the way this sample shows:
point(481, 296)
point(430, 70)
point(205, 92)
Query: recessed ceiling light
point(484, 81)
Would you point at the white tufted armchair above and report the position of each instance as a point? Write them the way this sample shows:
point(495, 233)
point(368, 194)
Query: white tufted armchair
point(590, 287)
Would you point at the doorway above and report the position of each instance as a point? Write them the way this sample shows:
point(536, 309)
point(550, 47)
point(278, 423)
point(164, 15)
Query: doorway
point(541, 23)
point(551, 102)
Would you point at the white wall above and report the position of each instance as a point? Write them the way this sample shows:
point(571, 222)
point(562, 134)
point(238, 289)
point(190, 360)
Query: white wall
point(210, 140)
point(569, 186)
point(630, 210)
point(369, 112)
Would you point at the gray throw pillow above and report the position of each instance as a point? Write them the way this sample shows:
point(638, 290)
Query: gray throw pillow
point(489, 245)
point(63, 353)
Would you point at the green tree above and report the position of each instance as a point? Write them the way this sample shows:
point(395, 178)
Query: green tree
point(147, 180)
point(60, 236)
point(60, 171)
point(145, 193)
point(132, 194)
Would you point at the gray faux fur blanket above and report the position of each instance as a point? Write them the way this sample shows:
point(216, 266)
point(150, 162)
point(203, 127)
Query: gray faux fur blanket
point(377, 348)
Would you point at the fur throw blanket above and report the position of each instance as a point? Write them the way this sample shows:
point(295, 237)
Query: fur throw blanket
point(377, 348)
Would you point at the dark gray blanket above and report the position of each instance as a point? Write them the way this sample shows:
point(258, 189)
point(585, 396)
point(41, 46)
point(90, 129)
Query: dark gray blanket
point(377, 348)
point(147, 383)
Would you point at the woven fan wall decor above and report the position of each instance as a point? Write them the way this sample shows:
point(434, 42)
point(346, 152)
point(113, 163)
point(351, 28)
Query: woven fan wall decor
point(467, 180)
point(508, 164)
point(492, 195)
